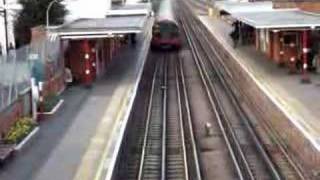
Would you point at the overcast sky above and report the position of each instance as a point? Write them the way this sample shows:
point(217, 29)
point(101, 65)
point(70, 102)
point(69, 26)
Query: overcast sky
point(87, 8)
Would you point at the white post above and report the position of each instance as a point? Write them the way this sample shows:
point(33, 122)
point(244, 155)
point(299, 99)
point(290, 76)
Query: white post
point(34, 98)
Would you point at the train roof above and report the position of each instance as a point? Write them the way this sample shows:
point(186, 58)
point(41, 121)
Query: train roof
point(130, 9)
point(161, 19)
point(165, 11)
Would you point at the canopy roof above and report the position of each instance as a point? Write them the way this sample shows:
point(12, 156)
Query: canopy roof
point(237, 7)
point(101, 27)
point(279, 18)
point(131, 9)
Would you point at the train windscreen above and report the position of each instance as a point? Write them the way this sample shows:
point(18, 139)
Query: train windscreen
point(165, 30)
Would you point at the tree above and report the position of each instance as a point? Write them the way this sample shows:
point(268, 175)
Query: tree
point(33, 14)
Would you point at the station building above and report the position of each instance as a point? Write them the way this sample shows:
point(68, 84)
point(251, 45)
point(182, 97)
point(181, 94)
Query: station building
point(310, 5)
point(92, 42)
point(86, 46)
point(287, 32)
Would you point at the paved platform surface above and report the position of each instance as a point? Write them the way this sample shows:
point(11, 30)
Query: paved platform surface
point(73, 143)
point(300, 102)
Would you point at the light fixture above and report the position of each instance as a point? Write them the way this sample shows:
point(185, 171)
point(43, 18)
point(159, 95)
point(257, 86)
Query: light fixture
point(86, 56)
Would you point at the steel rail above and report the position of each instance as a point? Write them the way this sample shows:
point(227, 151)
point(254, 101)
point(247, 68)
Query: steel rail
point(164, 118)
point(249, 128)
point(181, 123)
point(224, 122)
point(271, 166)
point(298, 170)
point(240, 111)
point(261, 149)
point(142, 159)
point(279, 142)
point(194, 155)
point(196, 56)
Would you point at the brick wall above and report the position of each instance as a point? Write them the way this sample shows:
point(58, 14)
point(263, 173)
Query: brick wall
point(37, 33)
point(307, 5)
point(19, 108)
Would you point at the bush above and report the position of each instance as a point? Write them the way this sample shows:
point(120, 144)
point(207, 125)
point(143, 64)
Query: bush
point(19, 130)
point(50, 101)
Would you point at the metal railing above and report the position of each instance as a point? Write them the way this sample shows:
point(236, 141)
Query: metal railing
point(19, 65)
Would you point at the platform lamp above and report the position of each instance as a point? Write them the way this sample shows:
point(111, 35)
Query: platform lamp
point(49, 8)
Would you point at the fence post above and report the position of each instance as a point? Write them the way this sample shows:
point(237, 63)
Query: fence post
point(34, 98)
point(41, 99)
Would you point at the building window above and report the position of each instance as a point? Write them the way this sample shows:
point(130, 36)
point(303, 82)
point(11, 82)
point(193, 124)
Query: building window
point(290, 39)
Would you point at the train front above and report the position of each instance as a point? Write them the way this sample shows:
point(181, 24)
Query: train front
point(165, 31)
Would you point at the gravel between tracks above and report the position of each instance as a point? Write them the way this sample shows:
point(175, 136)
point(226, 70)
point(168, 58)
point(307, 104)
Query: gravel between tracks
point(214, 155)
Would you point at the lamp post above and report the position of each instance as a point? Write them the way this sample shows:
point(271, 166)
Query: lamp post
point(47, 12)
point(5, 26)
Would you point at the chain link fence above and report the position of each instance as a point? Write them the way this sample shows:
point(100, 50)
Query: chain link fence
point(40, 59)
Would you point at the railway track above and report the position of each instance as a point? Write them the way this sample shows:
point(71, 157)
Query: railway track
point(249, 157)
point(166, 148)
point(177, 167)
point(163, 144)
point(254, 161)
point(153, 147)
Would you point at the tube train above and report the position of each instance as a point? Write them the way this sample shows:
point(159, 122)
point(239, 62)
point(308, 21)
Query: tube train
point(165, 30)
point(165, 35)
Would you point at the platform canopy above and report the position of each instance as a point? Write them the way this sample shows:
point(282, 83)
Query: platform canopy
point(101, 27)
point(279, 18)
point(237, 7)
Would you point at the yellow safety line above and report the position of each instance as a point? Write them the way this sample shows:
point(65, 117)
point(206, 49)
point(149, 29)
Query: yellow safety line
point(83, 172)
point(122, 104)
point(105, 152)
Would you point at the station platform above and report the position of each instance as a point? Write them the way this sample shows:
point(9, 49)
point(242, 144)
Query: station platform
point(299, 102)
point(82, 139)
